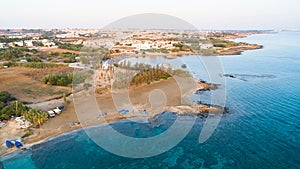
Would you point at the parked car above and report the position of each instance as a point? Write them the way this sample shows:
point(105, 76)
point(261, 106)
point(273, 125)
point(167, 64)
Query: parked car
point(2, 124)
point(51, 113)
point(57, 111)
point(61, 108)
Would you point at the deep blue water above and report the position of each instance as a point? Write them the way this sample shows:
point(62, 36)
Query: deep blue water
point(261, 130)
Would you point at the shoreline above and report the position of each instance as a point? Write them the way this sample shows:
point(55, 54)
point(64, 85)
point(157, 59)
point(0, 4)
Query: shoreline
point(26, 147)
point(61, 130)
point(32, 140)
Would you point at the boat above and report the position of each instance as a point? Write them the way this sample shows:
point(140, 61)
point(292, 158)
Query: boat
point(18, 144)
point(9, 144)
point(183, 66)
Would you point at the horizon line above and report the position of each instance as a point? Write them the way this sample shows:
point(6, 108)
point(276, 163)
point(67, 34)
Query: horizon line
point(74, 28)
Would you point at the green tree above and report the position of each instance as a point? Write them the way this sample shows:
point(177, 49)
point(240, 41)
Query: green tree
point(6, 97)
point(36, 117)
point(17, 108)
point(37, 43)
point(2, 105)
point(65, 98)
point(58, 80)
point(13, 53)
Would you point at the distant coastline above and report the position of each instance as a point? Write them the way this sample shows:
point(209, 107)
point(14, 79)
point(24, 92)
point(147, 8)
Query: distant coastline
point(225, 47)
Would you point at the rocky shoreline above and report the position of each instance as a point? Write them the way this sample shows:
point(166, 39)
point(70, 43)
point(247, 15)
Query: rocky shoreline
point(237, 50)
point(234, 50)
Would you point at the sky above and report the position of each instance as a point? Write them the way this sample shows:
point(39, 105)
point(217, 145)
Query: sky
point(203, 14)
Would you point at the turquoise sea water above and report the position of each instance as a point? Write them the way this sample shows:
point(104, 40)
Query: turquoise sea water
point(261, 130)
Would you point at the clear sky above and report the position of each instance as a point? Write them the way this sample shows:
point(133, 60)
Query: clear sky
point(204, 14)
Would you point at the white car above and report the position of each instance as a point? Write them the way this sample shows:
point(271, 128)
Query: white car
point(57, 110)
point(51, 113)
point(2, 124)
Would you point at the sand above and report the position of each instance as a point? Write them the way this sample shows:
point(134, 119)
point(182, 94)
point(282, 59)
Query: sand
point(156, 97)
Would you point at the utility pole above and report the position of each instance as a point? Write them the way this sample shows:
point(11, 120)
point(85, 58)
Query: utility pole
point(16, 106)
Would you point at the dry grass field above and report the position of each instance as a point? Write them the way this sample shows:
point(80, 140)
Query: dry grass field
point(26, 83)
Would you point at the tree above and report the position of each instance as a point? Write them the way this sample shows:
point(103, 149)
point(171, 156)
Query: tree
point(76, 47)
point(6, 97)
point(65, 98)
point(2, 105)
point(37, 43)
point(35, 116)
point(12, 54)
point(58, 80)
point(17, 108)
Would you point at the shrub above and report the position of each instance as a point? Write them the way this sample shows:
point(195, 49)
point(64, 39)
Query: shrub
point(6, 97)
point(76, 47)
point(13, 53)
point(86, 86)
point(58, 80)
point(40, 65)
point(220, 45)
point(33, 59)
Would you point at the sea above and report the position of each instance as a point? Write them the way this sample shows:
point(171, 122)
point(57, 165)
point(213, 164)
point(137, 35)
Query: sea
point(261, 129)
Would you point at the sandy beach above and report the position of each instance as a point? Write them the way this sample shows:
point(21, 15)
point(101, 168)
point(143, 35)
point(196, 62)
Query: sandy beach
point(157, 97)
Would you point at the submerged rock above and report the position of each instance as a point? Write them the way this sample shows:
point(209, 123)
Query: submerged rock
point(230, 76)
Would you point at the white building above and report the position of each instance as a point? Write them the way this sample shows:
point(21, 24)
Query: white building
point(206, 46)
point(2, 45)
point(68, 35)
point(20, 43)
point(48, 43)
point(23, 61)
point(28, 43)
